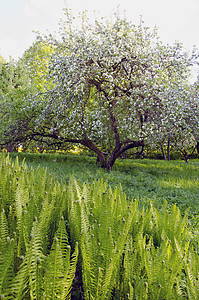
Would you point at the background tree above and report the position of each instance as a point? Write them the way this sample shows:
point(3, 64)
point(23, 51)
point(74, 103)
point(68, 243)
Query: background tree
point(192, 106)
point(36, 60)
point(20, 82)
point(176, 125)
point(15, 86)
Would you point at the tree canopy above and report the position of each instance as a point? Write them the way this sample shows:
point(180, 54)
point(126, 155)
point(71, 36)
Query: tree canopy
point(111, 87)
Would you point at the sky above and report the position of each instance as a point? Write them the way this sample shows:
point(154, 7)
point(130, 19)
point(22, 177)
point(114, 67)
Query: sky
point(175, 19)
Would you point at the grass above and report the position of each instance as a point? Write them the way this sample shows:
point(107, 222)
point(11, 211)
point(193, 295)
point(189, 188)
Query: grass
point(149, 180)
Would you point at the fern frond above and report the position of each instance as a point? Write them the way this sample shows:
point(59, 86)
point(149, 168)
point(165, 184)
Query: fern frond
point(4, 233)
point(192, 271)
point(69, 274)
point(60, 269)
point(20, 282)
point(22, 218)
point(7, 265)
point(100, 220)
point(29, 278)
point(54, 272)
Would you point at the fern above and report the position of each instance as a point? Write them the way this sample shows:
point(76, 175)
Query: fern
point(116, 242)
point(60, 270)
point(54, 272)
point(6, 265)
point(4, 232)
point(29, 277)
point(155, 270)
point(32, 204)
point(100, 220)
point(125, 253)
point(191, 265)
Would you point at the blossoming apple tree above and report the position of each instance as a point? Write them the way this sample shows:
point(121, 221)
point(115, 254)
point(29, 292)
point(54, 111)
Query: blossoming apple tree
point(110, 81)
point(177, 124)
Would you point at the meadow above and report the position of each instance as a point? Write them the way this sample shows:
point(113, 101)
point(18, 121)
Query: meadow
point(72, 230)
point(148, 180)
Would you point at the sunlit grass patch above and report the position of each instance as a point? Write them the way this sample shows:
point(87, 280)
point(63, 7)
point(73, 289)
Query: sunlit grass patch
point(149, 180)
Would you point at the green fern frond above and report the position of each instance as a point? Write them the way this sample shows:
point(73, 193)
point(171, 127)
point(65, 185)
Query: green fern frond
point(191, 265)
point(100, 220)
point(21, 215)
point(20, 282)
point(69, 274)
point(6, 265)
point(35, 259)
point(180, 289)
point(62, 236)
point(4, 232)
point(51, 209)
point(60, 267)
point(29, 278)
point(130, 295)
point(54, 272)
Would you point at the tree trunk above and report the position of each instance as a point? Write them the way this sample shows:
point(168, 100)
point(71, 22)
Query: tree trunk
point(119, 149)
point(197, 147)
point(9, 148)
point(99, 159)
point(163, 153)
point(100, 155)
point(112, 160)
point(168, 149)
point(123, 147)
point(186, 156)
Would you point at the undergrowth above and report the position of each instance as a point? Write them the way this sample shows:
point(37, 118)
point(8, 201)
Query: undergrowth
point(35, 256)
point(82, 240)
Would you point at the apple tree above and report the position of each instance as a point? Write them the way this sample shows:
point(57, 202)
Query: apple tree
point(109, 83)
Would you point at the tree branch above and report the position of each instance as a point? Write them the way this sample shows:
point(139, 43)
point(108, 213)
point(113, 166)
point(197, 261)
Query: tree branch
point(130, 145)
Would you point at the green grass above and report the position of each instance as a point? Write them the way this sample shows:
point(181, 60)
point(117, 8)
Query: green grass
point(154, 180)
